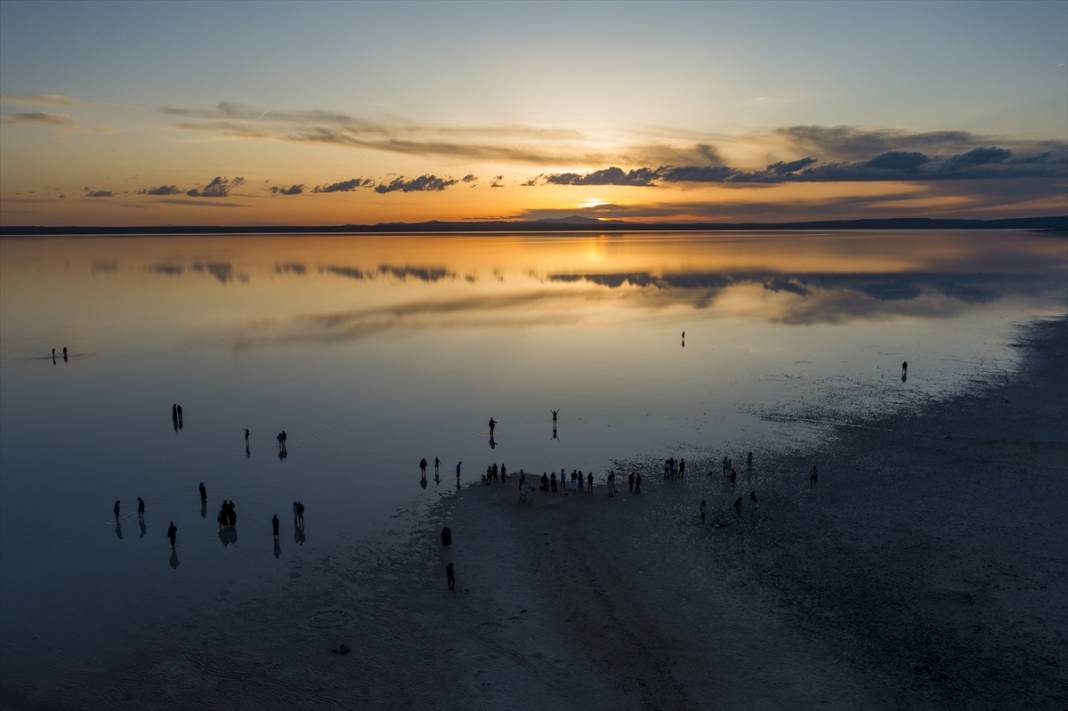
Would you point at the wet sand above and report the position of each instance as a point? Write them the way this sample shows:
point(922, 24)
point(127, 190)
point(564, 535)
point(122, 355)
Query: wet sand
point(927, 569)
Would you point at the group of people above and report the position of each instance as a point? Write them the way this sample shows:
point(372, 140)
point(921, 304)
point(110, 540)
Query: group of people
point(64, 355)
point(177, 416)
point(577, 481)
point(674, 469)
point(494, 474)
point(227, 514)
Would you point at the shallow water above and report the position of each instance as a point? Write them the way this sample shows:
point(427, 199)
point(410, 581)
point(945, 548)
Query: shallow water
point(375, 351)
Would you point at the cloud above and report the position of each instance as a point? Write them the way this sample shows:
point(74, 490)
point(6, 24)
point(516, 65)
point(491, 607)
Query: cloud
point(98, 193)
point(793, 166)
point(287, 189)
point(39, 99)
point(344, 186)
point(606, 176)
point(424, 183)
point(469, 178)
point(219, 187)
point(160, 190)
point(38, 118)
point(897, 160)
point(198, 203)
point(496, 182)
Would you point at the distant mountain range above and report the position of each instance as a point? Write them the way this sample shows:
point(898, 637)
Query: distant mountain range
point(576, 223)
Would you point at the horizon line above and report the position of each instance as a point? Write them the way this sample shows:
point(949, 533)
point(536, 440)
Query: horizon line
point(572, 224)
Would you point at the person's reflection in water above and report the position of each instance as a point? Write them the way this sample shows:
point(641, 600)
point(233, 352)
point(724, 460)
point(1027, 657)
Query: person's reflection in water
point(493, 442)
point(174, 416)
point(554, 433)
point(298, 535)
point(141, 523)
point(118, 529)
point(53, 356)
point(422, 482)
point(174, 559)
point(203, 508)
point(277, 548)
point(282, 451)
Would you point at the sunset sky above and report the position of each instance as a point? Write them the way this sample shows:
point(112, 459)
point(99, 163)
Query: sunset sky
point(308, 113)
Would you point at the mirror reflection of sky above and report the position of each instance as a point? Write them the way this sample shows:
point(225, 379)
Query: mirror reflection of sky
point(375, 351)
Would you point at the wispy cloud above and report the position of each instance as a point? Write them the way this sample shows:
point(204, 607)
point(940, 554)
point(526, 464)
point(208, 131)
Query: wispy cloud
point(38, 118)
point(39, 99)
point(424, 183)
point(160, 190)
point(218, 187)
point(344, 186)
point(295, 189)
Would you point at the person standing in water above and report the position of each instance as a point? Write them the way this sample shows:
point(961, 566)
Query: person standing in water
point(116, 509)
point(203, 492)
point(492, 425)
point(64, 354)
point(422, 468)
point(274, 525)
point(140, 509)
point(172, 534)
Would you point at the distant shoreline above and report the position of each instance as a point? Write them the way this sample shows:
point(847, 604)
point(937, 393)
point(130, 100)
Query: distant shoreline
point(1056, 224)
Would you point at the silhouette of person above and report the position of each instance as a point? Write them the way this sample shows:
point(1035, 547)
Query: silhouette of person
point(450, 574)
point(458, 465)
point(437, 463)
point(555, 413)
point(422, 467)
point(555, 436)
point(140, 508)
point(300, 513)
point(589, 481)
point(630, 482)
point(174, 416)
point(116, 509)
point(64, 354)
point(492, 425)
point(446, 536)
point(172, 534)
point(53, 356)
point(813, 475)
point(203, 492)
point(274, 525)
point(181, 417)
point(638, 483)
point(246, 435)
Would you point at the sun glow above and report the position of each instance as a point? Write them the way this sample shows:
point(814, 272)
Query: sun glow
point(592, 202)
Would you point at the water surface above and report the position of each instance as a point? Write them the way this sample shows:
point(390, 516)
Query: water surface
point(375, 351)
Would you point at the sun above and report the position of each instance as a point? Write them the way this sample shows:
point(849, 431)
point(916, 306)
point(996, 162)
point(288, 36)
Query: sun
point(592, 202)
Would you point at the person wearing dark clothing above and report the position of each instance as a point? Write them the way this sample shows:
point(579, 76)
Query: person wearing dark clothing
point(446, 536)
point(203, 492)
point(422, 468)
point(544, 482)
point(450, 573)
point(116, 509)
point(630, 482)
point(638, 483)
point(492, 425)
point(300, 513)
point(552, 483)
point(437, 463)
point(589, 481)
point(64, 354)
point(274, 525)
point(458, 465)
point(246, 435)
point(140, 508)
point(172, 534)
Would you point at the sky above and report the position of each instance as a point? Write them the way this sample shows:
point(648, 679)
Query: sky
point(336, 113)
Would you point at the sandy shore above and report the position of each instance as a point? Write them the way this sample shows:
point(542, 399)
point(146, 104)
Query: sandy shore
point(927, 569)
